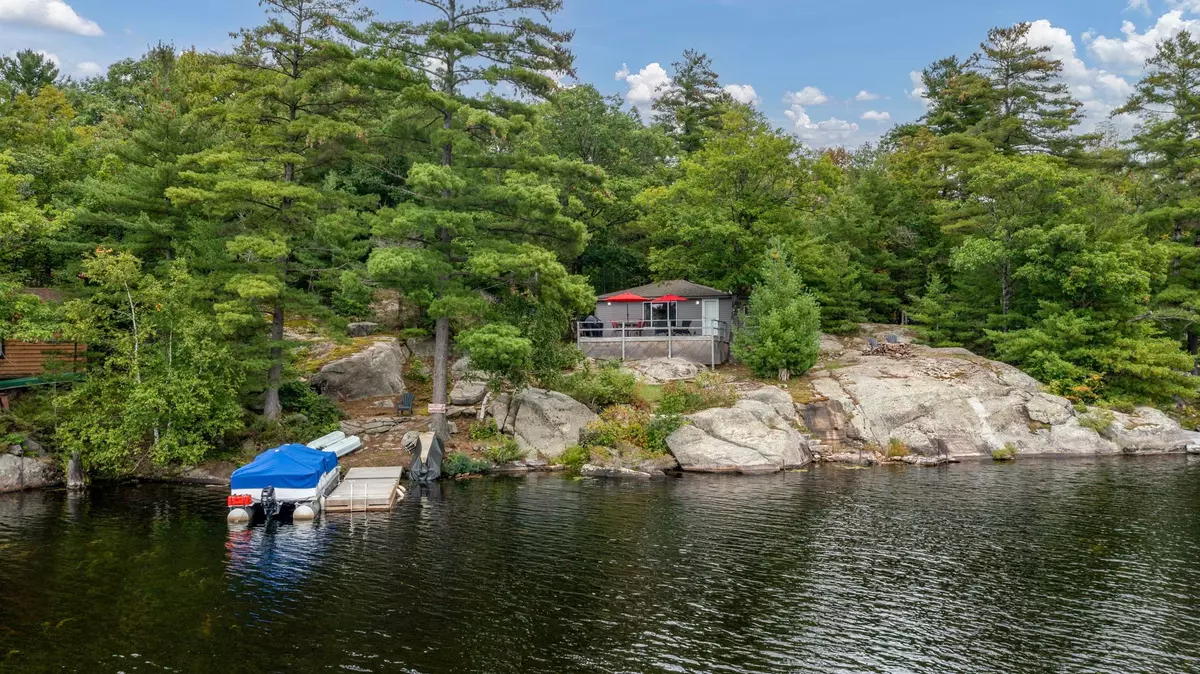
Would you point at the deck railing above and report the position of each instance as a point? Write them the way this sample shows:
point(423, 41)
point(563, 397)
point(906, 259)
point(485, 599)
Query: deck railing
point(670, 331)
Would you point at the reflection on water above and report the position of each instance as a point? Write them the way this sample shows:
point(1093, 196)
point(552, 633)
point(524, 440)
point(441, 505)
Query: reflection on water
point(1071, 566)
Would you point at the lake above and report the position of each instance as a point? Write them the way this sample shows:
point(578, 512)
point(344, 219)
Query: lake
point(1081, 565)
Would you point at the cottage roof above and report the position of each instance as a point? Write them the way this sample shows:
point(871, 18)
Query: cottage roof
point(677, 287)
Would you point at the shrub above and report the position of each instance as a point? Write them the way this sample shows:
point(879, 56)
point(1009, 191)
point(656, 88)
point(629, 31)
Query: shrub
point(457, 463)
point(484, 431)
point(897, 448)
point(1098, 420)
point(506, 452)
point(574, 457)
point(1006, 453)
point(623, 424)
point(600, 387)
point(709, 390)
point(352, 298)
point(659, 429)
point(418, 372)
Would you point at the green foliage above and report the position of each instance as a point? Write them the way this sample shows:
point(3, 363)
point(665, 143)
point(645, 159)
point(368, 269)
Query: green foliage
point(1099, 420)
point(574, 457)
point(622, 425)
point(600, 387)
point(506, 451)
point(27, 72)
point(686, 397)
point(458, 463)
point(484, 430)
point(352, 299)
point(935, 313)
point(498, 350)
point(897, 448)
point(1006, 453)
point(782, 331)
point(418, 372)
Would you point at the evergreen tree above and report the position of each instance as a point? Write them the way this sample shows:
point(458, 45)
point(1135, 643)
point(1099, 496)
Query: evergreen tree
point(781, 335)
point(692, 104)
point(959, 97)
point(287, 114)
point(934, 312)
point(1033, 110)
point(484, 212)
point(28, 72)
point(1167, 100)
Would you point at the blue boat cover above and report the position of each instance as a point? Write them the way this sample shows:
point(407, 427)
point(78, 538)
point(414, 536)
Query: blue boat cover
point(285, 467)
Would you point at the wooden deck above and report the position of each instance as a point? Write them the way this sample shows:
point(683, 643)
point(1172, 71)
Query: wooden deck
point(365, 489)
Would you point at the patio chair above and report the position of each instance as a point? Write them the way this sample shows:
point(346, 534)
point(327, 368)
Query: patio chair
point(872, 346)
point(405, 404)
point(685, 328)
point(892, 339)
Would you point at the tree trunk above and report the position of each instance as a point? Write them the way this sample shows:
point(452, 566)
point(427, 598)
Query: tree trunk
point(271, 405)
point(441, 360)
point(75, 472)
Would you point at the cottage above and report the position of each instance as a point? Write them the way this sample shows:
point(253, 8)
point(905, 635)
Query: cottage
point(25, 364)
point(676, 319)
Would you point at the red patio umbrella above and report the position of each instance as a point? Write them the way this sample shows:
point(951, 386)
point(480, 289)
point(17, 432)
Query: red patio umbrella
point(670, 298)
point(628, 298)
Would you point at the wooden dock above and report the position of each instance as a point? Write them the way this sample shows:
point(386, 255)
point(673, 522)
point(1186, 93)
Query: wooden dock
point(365, 489)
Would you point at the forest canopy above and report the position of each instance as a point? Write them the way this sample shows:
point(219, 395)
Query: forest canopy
point(191, 206)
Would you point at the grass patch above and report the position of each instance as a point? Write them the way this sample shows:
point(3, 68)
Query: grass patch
point(574, 457)
point(506, 451)
point(486, 430)
point(707, 391)
point(1006, 453)
point(897, 449)
point(1098, 420)
point(650, 394)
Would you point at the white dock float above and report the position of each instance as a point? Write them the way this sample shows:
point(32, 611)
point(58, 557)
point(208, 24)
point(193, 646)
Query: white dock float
point(344, 446)
point(364, 489)
point(327, 440)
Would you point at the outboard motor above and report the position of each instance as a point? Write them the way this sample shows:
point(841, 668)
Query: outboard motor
point(270, 504)
point(427, 451)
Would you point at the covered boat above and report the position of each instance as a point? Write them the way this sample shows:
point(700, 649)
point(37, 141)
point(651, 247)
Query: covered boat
point(288, 476)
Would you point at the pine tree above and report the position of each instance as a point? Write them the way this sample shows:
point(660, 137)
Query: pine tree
point(287, 113)
point(1033, 110)
point(692, 104)
point(28, 72)
point(781, 335)
point(483, 210)
point(959, 97)
point(1167, 100)
point(934, 313)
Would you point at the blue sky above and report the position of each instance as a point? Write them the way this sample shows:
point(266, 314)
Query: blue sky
point(803, 62)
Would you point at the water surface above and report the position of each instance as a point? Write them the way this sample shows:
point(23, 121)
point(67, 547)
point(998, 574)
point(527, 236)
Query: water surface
point(1039, 566)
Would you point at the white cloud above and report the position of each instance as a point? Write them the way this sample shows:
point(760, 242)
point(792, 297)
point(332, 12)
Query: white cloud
point(876, 116)
point(1129, 53)
point(645, 86)
point(743, 93)
point(832, 131)
point(1100, 91)
point(865, 95)
point(806, 96)
point(1143, 5)
point(88, 69)
point(918, 91)
point(53, 14)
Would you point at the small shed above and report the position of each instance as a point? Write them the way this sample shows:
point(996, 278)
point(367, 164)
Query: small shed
point(20, 360)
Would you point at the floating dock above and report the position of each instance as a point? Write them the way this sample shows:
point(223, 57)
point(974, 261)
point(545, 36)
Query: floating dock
point(365, 489)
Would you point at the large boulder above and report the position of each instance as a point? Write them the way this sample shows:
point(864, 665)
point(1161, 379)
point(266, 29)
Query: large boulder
point(779, 399)
point(361, 329)
point(421, 348)
point(467, 392)
point(548, 422)
point(662, 370)
point(750, 437)
point(1149, 430)
point(23, 472)
point(374, 371)
point(953, 402)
